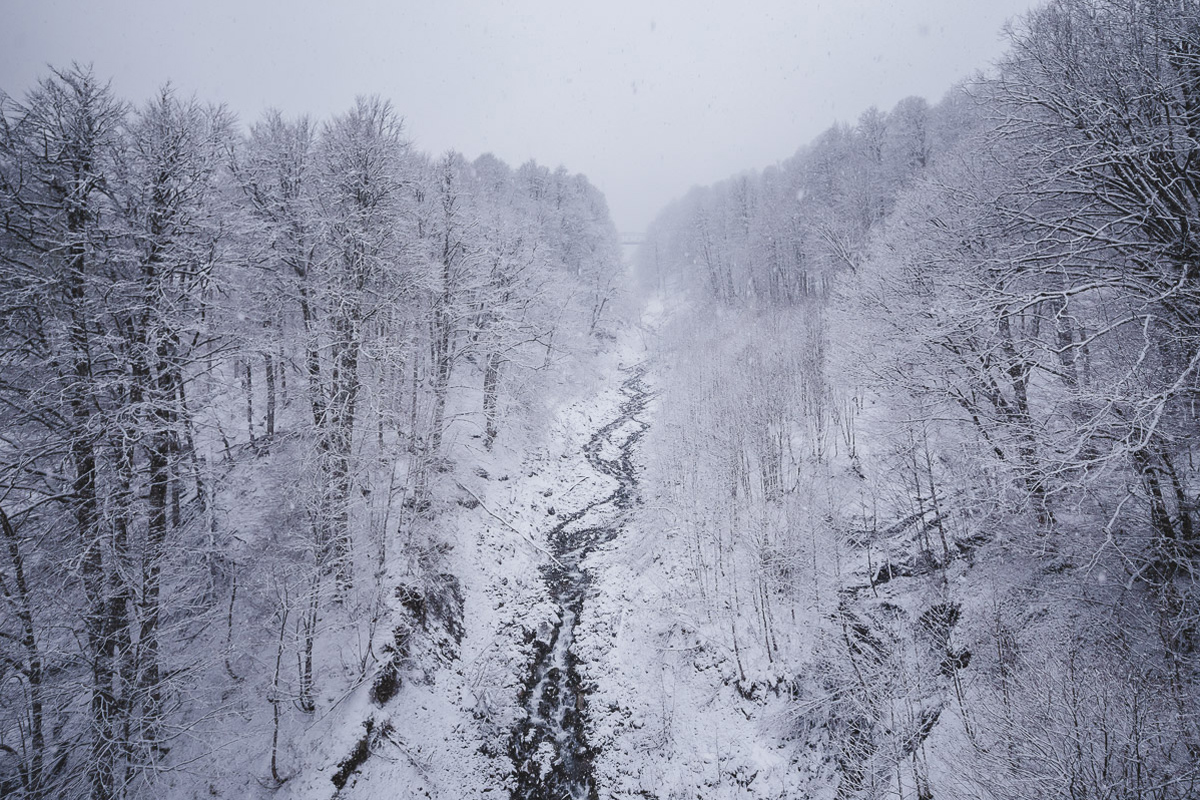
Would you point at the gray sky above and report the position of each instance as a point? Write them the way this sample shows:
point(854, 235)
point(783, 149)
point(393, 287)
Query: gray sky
point(646, 98)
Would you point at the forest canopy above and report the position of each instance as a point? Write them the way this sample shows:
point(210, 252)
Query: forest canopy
point(332, 468)
point(950, 355)
point(181, 298)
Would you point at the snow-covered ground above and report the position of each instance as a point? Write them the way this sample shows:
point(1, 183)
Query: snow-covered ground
point(445, 733)
point(685, 689)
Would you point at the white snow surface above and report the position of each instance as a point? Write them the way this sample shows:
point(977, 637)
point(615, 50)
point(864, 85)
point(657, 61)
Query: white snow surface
point(448, 735)
point(670, 712)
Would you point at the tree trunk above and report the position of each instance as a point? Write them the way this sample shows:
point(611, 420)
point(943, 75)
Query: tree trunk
point(33, 669)
point(159, 457)
point(270, 368)
point(248, 386)
point(100, 640)
point(491, 386)
point(1018, 369)
point(308, 631)
point(442, 341)
point(275, 698)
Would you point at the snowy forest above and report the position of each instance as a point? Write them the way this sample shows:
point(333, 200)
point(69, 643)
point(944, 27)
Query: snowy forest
point(333, 469)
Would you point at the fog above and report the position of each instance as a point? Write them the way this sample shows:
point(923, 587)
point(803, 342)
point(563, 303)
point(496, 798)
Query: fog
point(645, 98)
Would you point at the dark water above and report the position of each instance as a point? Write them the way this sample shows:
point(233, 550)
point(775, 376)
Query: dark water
point(549, 748)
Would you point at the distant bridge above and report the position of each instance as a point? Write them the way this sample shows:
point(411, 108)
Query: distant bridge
point(632, 238)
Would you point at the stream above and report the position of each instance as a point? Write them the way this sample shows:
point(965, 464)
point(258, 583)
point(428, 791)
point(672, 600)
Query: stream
point(549, 747)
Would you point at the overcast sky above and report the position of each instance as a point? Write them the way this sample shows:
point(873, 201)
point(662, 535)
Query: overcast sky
point(645, 98)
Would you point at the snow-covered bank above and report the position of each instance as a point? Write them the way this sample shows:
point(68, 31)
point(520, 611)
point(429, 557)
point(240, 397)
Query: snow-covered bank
point(552, 754)
point(675, 712)
point(447, 732)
